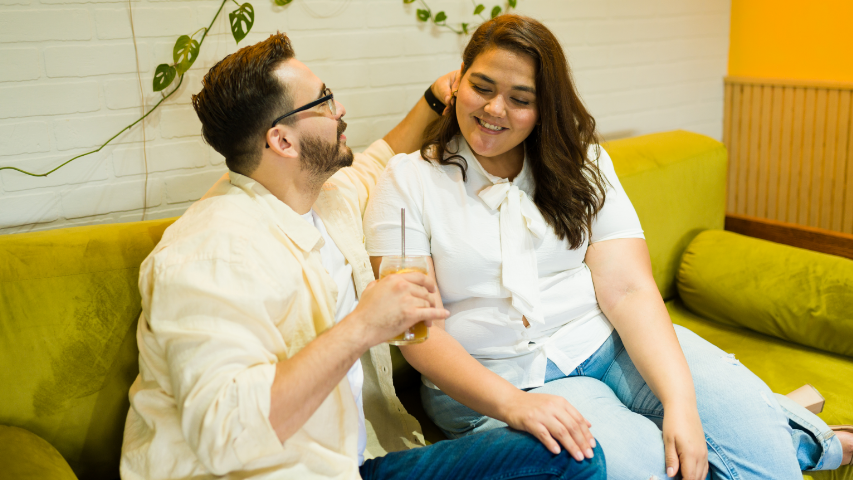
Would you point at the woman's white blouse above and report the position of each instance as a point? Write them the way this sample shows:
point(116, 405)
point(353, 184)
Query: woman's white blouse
point(497, 260)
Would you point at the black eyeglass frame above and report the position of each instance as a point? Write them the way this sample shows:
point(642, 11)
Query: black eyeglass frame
point(327, 98)
point(330, 98)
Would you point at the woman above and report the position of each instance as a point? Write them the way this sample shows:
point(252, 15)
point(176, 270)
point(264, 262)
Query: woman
point(538, 255)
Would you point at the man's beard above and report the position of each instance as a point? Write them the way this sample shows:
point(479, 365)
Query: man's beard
point(322, 159)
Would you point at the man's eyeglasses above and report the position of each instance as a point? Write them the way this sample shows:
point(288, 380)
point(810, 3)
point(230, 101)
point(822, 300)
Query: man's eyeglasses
point(327, 97)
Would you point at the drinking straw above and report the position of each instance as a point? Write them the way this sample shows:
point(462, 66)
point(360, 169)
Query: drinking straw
point(403, 231)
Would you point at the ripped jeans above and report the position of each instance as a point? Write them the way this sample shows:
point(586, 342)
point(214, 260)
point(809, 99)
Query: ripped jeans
point(751, 433)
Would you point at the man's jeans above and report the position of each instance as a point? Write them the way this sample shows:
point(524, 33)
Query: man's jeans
point(499, 454)
point(751, 433)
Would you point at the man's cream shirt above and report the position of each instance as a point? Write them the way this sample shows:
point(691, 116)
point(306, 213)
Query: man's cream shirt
point(234, 286)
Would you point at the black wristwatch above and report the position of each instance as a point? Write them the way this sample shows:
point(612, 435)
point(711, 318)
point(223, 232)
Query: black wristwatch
point(434, 103)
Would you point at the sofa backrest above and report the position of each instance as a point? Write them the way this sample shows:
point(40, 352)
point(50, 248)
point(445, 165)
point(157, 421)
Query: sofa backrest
point(68, 312)
point(677, 183)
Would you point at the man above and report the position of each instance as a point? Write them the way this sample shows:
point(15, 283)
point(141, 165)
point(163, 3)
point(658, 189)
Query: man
point(261, 340)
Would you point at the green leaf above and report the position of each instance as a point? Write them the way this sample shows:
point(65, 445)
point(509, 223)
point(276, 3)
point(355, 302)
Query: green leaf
point(184, 53)
point(512, 3)
point(408, 1)
point(243, 15)
point(163, 76)
point(496, 11)
point(479, 9)
point(465, 28)
point(282, 3)
point(440, 17)
point(423, 15)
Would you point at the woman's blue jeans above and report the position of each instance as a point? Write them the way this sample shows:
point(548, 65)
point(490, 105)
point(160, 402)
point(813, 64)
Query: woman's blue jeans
point(498, 454)
point(751, 433)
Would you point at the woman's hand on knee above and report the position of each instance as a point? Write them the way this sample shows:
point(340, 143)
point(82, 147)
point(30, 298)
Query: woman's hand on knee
point(553, 420)
point(684, 441)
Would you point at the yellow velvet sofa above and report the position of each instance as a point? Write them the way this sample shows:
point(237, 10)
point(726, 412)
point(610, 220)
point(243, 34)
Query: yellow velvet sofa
point(69, 305)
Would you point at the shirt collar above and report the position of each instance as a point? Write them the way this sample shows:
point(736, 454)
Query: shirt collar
point(461, 146)
point(303, 234)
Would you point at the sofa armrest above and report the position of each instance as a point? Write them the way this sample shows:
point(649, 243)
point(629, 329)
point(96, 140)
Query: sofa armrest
point(790, 293)
point(26, 456)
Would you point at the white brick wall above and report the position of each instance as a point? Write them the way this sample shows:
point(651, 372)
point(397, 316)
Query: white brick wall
point(68, 83)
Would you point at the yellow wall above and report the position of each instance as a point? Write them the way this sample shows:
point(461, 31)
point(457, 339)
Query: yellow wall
point(796, 39)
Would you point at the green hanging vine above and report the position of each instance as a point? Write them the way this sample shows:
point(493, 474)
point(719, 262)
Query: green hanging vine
point(186, 50)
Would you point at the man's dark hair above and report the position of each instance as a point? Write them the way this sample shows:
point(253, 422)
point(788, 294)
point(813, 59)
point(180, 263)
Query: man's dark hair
point(239, 99)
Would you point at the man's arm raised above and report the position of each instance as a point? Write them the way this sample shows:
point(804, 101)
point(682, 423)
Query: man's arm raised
point(385, 309)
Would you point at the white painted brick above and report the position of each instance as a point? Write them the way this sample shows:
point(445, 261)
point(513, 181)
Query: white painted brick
point(87, 60)
point(633, 53)
point(27, 137)
point(544, 10)
point(112, 23)
point(373, 102)
point(339, 76)
point(15, 2)
point(90, 168)
point(118, 197)
point(612, 31)
point(396, 72)
point(630, 8)
point(351, 17)
point(179, 121)
point(588, 57)
point(19, 64)
point(185, 188)
point(44, 24)
point(156, 213)
point(348, 46)
point(383, 14)
point(27, 209)
point(190, 86)
point(93, 131)
point(417, 43)
point(123, 93)
point(87, 1)
point(48, 99)
point(569, 33)
point(359, 133)
point(161, 158)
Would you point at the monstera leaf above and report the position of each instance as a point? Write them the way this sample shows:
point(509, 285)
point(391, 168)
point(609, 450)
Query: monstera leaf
point(423, 15)
point(512, 3)
point(163, 76)
point(408, 1)
point(479, 9)
point(243, 16)
point(465, 28)
point(496, 11)
point(282, 3)
point(184, 53)
point(440, 17)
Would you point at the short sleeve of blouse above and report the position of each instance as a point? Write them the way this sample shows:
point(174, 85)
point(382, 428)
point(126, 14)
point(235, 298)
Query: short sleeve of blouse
point(617, 218)
point(400, 186)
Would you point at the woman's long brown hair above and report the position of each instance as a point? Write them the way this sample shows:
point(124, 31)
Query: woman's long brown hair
point(569, 188)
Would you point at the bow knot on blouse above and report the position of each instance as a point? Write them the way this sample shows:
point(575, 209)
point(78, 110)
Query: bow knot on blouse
point(520, 223)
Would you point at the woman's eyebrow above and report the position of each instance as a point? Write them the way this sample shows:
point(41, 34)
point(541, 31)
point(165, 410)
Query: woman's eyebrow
point(522, 88)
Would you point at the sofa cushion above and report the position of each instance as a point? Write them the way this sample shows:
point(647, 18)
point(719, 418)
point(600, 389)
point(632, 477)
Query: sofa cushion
point(677, 183)
point(793, 294)
point(26, 456)
point(68, 316)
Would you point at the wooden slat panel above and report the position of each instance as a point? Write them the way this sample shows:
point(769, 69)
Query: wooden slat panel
point(790, 148)
point(734, 145)
point(751, 179)
point(743, 150)
point(785, 154)
point(807, 158)
point(796, 154)
point(842, 162)
point(847, 225)
point(774, 152)
point(827, 200)
point(763, 177)
point(816, 185)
